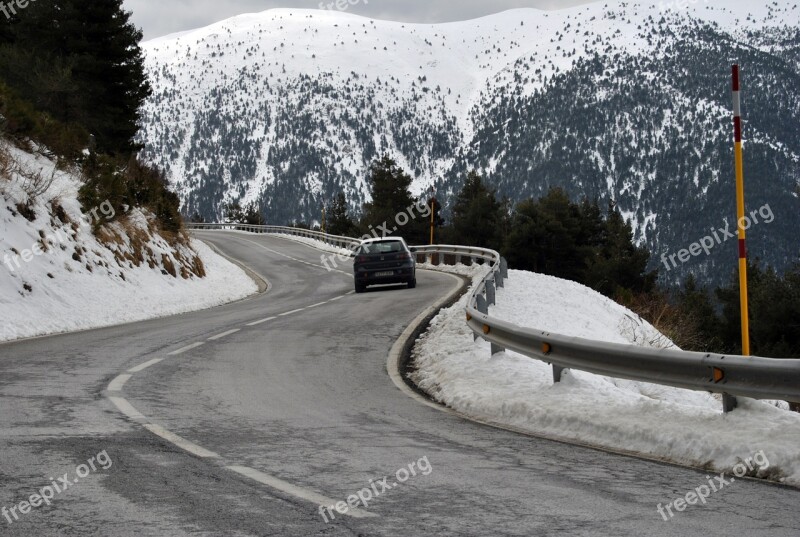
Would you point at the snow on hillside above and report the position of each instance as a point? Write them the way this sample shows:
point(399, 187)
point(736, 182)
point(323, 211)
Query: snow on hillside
point(440, 73)
point(57, 276)
point(667, 423)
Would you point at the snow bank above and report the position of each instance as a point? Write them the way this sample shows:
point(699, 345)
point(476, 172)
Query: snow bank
point(56, 275)
point(672, 424)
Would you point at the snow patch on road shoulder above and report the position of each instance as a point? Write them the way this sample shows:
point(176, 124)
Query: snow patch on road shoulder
point(672, 424)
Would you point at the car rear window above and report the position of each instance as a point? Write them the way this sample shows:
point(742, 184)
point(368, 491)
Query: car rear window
point(386, 247)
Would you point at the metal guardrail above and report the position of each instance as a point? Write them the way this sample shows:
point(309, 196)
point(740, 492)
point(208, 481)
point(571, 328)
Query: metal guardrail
point(333, 240)
point(731, 375)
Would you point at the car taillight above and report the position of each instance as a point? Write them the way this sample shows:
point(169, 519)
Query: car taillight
point(404, 257)
point(361, 259)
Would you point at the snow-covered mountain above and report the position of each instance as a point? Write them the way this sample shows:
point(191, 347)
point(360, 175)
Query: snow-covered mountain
point(619, 101)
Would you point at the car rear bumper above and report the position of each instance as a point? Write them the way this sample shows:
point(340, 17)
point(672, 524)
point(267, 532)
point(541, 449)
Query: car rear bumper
point(378, 277)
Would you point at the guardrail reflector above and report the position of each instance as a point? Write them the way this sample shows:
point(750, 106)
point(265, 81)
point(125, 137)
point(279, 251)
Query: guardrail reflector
point(469, 317)
point(719, 374)
point(486, 329)
point(546, 348)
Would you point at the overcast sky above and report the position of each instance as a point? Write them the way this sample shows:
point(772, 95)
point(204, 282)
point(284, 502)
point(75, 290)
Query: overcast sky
point(161, 17)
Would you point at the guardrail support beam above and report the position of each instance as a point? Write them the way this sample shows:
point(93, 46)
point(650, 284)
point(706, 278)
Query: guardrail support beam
point(481, 306)
point(557, 371)
point(729, 403)
point(490, 294)
point(497, 349)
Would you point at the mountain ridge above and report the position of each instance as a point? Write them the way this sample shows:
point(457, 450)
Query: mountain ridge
point(287, 107)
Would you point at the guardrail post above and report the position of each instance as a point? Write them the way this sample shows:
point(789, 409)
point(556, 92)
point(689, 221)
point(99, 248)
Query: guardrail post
point(458, 259)
point(496, 349)
point(490, 294)
point(480, 305)
point(498, 279)
point(504, 267)
point(729, 403)
point(557, 371)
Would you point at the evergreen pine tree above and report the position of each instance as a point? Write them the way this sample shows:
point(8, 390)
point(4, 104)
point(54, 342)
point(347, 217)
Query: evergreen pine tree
point(477, 214)
point(618, 263)
point(389, 187)
point(81, 63)
point(338, 218)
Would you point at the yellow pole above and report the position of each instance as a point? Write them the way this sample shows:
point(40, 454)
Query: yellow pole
point(740, 210)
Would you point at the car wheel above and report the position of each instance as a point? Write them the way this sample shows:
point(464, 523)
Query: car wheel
point(412, 284)
point(360, 288)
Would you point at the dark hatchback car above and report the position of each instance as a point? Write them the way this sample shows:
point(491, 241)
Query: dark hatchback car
point(384, 261)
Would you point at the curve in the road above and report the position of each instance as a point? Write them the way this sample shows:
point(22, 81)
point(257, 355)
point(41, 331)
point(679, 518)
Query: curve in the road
point(114, 391)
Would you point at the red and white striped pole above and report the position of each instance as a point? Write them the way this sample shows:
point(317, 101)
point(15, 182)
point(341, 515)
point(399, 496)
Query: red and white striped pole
point(728, 401)
point(737, 127)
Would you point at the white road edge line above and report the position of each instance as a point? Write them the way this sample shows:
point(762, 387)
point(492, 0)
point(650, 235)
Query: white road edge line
point(291, 312)
point(294, 490)
point(262, 321)
point(186, 348)
point(396, 352)
point(393, 366)
point(117, 384)
point(142, 367)
point(224, 334)
point(126, 408)
point(317, 305)
point(181, 442)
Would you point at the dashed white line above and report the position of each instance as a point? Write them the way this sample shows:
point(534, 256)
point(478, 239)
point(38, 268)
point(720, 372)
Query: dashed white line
point(142, 367)
point(294, 490)
point(224, 334)
point(186, 348)
point(117, 384)
point(262, 321)
point(181, 442)
point(126, 408)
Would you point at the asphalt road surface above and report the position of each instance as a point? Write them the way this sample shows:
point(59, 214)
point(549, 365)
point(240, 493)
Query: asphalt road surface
point(243, 419)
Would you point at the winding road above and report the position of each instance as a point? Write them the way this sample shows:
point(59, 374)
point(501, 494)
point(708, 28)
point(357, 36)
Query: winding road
point(241, 420)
